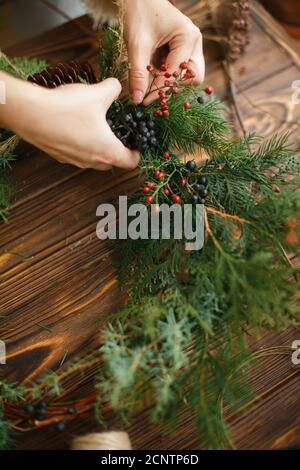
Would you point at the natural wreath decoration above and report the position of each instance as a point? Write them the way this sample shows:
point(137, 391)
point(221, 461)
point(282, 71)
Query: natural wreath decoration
point(183, 332)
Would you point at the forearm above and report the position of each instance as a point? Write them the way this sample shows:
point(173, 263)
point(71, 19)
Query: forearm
point(21, 100)
point(107, 11)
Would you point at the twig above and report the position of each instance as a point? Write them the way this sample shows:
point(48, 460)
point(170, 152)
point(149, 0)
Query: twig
point(224, 215)
point(9, 144)
point(19, 72)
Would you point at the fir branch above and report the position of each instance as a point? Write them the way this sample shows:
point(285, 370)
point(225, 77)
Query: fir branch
point(21, 67)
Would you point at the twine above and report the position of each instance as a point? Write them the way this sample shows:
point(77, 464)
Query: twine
point(113, 440)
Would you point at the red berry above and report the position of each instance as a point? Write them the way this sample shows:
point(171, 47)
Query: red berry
point(189, 74)
point(175, 90)
point(155, 74)
point(146, 189)
point(292, 223)
point(184, 66)
point(291, 238)
point(149, 68)
point(163, 67)
point(167, 192)
point(157, 174)
point(149, 199)
point(151, 185)
point(167, 83)
point(163, 102)
point(157, 112)
point(183, 181)
point(176, 199)
point(165, 113)
point(176, 74)
point(162, 175)
point(168, 75)
point(276, 189)
point(208, 90)
point(166, 156)
point(162, 93)
point(186, 104)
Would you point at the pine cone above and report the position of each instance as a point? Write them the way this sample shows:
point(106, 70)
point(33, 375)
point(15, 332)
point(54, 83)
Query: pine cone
point(239, 31)
point(63, 74)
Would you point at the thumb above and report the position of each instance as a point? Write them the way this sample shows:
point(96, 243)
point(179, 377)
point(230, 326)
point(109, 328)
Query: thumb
point(139, 58)
point(111, 89)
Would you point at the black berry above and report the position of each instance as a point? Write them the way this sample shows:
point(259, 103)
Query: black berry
point(191, 165)
point(40, 415)
point(29, 409)
point(153, 142)
point(72, 410)
point(60, 426)
point(42, 405)
point(139, 115)
point(202, 180)
point(200, 100)
point(199, 188)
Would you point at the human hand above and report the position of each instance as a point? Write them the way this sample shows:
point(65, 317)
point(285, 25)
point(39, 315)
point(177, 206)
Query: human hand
point(68, 123)
point(149, 25)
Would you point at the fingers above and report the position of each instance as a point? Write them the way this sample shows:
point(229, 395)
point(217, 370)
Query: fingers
point(108, 150)
point(110, 90)
point(120, 156)
point(180, 51)
point(139, 56)
point(197, 63)
point(184, 47)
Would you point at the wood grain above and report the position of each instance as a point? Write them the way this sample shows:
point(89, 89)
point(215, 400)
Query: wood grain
point(57, 280)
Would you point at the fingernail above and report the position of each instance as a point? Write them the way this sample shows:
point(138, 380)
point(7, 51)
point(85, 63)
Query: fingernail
point(137, 96)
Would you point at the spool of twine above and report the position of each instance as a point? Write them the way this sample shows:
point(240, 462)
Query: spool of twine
point(102, 441)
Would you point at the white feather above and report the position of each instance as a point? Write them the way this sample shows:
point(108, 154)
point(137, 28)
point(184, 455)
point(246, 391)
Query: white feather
point(102, 11)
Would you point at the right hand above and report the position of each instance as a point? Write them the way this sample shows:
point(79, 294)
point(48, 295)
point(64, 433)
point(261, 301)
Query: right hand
point(68, 123)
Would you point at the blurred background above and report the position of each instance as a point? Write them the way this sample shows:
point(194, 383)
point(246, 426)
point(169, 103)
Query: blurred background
point(22, 19)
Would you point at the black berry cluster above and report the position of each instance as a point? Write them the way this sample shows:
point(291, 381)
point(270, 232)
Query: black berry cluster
point(199, 184)
point(136, 129)
point(40, 412)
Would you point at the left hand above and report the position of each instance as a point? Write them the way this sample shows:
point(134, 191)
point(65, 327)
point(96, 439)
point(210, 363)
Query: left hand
point(149, 25)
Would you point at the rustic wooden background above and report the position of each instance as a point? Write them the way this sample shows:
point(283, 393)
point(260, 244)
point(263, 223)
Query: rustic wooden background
point(57, 279)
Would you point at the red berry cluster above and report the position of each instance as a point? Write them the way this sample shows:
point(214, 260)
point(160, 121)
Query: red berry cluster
point(172, 84)
point(196, 187)
point(151, 186)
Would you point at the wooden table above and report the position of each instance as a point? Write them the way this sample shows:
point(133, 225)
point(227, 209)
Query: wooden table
point(58, 279)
